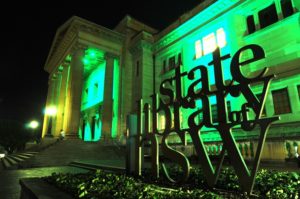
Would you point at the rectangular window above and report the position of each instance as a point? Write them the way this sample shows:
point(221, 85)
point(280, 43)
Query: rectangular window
point(198, 49)
point(281, 101)
point(287, 8)
point(209, 43)
point(172, 62)
point(137, 68)
point(164, 66)
point(250, 24)
point(221, 37)
point(267, 16)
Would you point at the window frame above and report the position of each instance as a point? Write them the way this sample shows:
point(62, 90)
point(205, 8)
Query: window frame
point(279, 104)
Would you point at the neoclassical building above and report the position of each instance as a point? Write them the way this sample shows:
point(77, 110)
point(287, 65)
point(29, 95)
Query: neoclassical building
point(96, 74)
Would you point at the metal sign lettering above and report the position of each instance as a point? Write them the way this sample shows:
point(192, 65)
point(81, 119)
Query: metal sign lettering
point(239, 85)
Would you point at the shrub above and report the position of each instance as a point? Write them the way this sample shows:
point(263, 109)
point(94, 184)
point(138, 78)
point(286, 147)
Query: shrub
point(13, 135)
point(101, 184)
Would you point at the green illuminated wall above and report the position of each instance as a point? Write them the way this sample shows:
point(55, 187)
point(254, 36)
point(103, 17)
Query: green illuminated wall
point(115, 97)
point(281, 48)
point(92, 94)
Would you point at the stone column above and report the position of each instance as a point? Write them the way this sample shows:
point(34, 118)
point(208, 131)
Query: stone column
point(64, 70)
point(56, 93)
point(49, 102)
point(107, 107)
point(76, 83)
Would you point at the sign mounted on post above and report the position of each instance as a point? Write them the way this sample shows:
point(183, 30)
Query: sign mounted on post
point(239, 85)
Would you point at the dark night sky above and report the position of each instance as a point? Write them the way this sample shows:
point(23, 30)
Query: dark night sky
point(27, 34)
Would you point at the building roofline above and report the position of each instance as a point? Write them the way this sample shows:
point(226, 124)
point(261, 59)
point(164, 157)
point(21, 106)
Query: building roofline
point(184, 17)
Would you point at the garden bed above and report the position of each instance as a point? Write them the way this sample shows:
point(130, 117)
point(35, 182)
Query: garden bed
point(102, 184)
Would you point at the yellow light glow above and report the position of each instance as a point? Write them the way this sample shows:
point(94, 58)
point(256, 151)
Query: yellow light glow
point(51, 110)
point(209, 43)
point(221, 37)
point(33, 124)
point(198, 49)
point(162, 122)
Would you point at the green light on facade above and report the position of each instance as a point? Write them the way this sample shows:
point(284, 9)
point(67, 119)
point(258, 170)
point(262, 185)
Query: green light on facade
point(68, 58)
point(87, 132)
point(98, 128)
point(92, 92)
point(86, 61)
point(93, 88)
point(115, 97)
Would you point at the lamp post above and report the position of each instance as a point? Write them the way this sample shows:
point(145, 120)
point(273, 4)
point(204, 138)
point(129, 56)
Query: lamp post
point(50, 111)
point(34, 125)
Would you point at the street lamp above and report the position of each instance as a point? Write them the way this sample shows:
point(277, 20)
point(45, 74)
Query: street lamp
point(33, 125)
point(50, 111)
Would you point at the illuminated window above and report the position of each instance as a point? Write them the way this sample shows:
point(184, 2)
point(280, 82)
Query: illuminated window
point(198, 49)
point(250, 24)
point(268, 16)
point(281, 101)
point(162, 122)
point(221, 37)
point(287, 8)
point(209, 43)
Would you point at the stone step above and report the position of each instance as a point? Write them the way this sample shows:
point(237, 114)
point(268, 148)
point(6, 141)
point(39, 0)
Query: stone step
point(16, 158)
point(5, 163)
point(11, 160)
point(24, 156)
point(65, 151)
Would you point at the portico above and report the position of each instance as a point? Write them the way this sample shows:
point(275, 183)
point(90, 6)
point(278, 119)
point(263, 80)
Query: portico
point(82, 83)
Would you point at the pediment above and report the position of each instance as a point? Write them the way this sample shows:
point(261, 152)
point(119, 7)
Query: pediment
point(79, 30)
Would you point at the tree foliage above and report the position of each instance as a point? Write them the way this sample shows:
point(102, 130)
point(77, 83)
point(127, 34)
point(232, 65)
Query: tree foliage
point(13, 135)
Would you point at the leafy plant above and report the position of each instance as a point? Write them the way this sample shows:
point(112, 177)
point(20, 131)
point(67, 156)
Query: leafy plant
point(101, 184)
point(13, 135)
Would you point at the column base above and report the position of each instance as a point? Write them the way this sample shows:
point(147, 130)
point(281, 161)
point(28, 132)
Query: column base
point(72, 136)
point(49, 136)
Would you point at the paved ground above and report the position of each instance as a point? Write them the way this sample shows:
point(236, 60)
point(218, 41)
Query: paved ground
point(55, 159)
point(9, 179)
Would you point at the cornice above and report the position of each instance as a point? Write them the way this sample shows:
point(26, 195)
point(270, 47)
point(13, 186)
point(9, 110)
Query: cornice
point(206, 13)
point(67, 39)
point(143, 41)
point(102, 33)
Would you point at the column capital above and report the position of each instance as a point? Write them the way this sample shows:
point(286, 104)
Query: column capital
point(60, 69)
point(78, 47)
point(53, 77)
point(109, 55)
point(65, 63)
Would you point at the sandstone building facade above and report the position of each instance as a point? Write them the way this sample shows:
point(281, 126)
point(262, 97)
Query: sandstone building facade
point(96, 75)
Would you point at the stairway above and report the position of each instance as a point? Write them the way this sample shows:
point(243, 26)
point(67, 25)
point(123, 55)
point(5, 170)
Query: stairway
point(70, 150)
point(12, 161)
